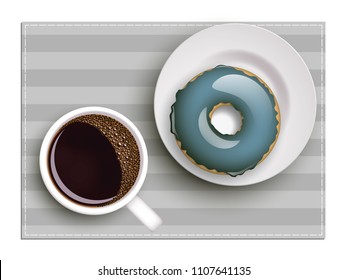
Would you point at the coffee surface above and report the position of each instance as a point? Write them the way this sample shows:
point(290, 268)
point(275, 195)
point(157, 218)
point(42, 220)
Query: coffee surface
point(94, 160)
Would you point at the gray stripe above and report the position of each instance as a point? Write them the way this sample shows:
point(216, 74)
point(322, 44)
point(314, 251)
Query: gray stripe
point(318, 77)
point(312, 60)
point(297, 28)
point(136, 43)
point(320, 95)
point(227, 199)
point(156, 147)
point(95, 60)
point(307, 164)
point(117, 60)
point(48, 112)
point(135, 112)
point(89, 95)
point(232, 199)
point(105, 95)
point(318, 130)
point(103, 43)
point(305, 43)
point(38, 129)
point(314, 147)
point(167, 165)
point(285, 182)
point(188, 182)
point(125, 28)
point(177, 231)
point(90, 78)
point(155, 28)
point(180, 217)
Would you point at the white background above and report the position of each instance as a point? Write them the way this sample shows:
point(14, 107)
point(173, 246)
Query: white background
point(80, 259)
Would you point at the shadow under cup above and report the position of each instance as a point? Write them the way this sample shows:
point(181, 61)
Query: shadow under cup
point(93, 160)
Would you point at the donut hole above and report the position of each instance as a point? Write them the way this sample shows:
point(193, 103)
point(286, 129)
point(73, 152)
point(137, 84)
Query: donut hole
point(226, 119)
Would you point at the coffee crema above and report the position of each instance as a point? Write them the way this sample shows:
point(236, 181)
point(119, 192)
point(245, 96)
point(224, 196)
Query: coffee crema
point(94, 160)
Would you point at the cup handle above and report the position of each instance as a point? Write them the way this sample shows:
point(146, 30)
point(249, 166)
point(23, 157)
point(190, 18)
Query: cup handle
point(144, 213)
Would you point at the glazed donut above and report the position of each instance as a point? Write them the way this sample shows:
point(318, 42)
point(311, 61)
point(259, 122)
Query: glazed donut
point(205, 146)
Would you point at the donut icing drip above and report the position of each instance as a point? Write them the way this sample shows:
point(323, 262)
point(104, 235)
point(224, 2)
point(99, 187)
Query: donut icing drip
point(198, 138)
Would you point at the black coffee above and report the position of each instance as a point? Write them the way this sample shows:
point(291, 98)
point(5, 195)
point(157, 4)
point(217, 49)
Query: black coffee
point(94, 160)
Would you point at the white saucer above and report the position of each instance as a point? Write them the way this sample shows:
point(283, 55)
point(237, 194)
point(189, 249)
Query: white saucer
point(266, 55)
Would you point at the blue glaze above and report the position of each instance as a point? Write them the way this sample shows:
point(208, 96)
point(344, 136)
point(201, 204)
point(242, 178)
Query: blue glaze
point(232, 154)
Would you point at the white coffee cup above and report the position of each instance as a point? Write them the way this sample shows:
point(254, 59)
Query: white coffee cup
point(144, 213)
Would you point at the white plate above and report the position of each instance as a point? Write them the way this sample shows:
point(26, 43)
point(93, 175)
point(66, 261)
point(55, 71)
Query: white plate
point(266, 55)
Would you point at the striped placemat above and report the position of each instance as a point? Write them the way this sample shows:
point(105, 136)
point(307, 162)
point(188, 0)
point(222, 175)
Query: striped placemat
point(70, 65)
